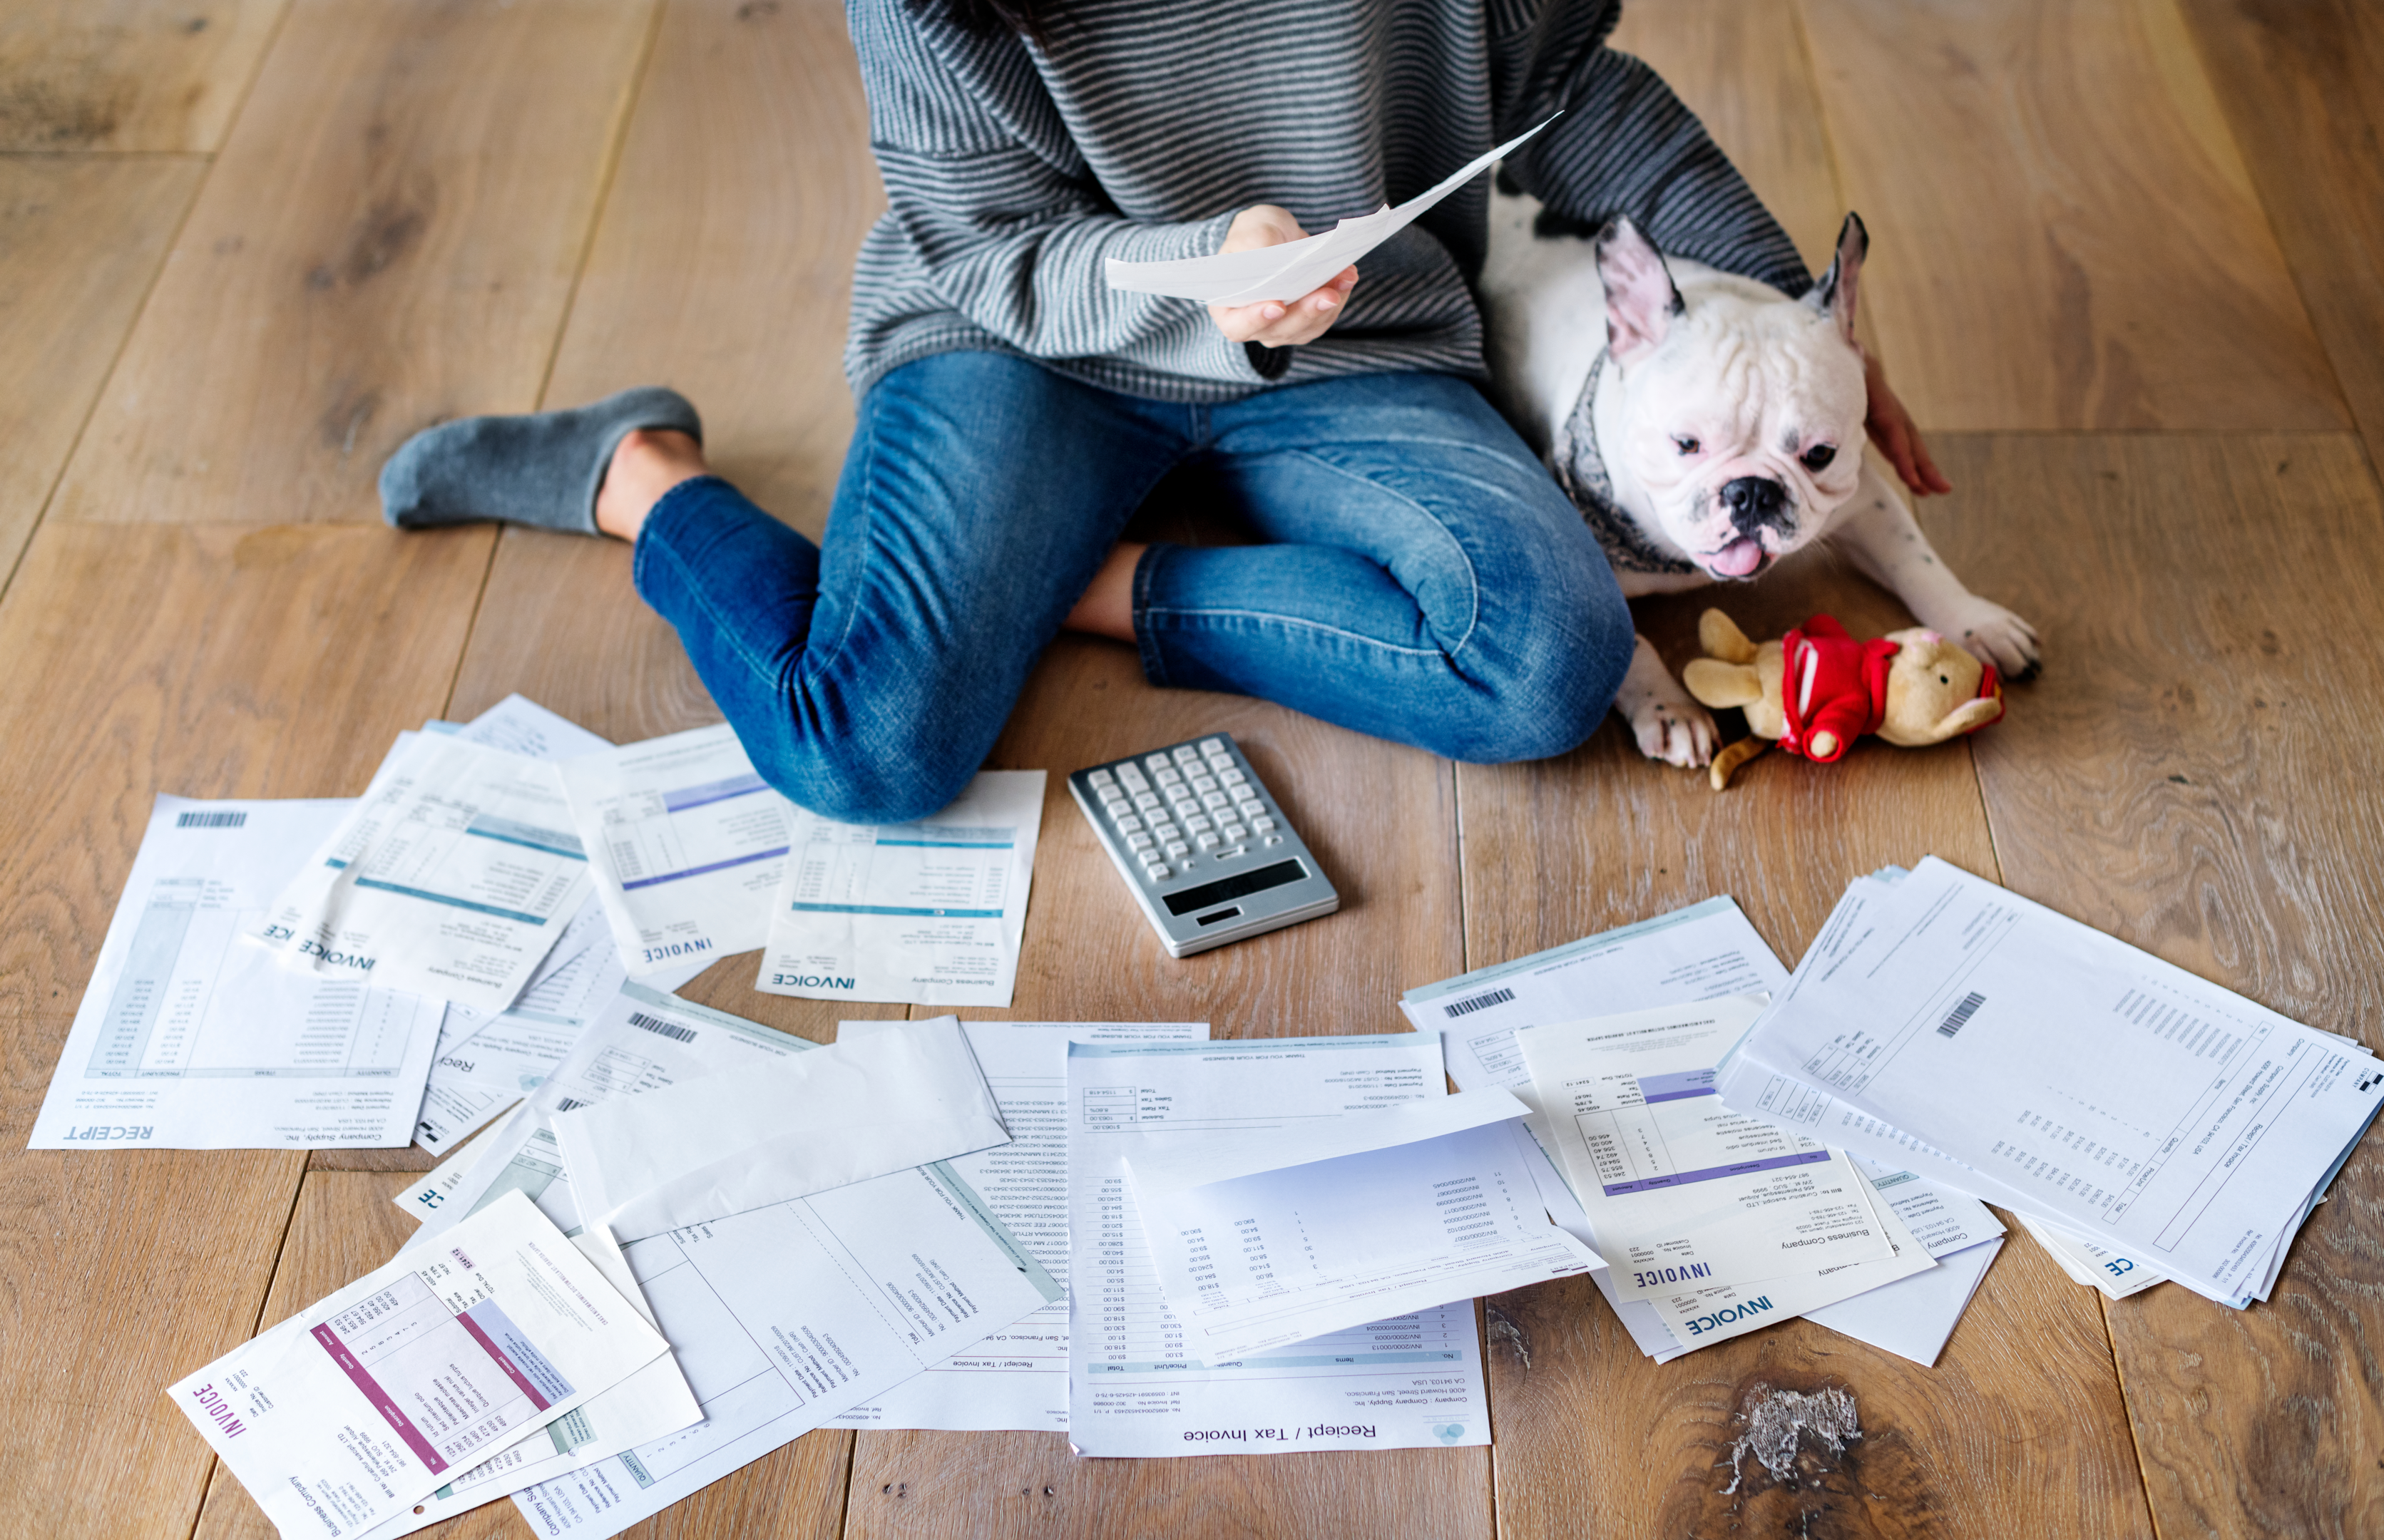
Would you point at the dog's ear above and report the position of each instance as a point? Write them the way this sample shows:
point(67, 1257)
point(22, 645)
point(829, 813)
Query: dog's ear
point(1835, 295)
point(1640, 298)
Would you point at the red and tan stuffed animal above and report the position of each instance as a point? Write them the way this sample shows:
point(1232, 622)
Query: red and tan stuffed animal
point(1817, 690)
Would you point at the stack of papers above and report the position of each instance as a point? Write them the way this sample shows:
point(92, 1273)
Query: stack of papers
point(1945, 1024)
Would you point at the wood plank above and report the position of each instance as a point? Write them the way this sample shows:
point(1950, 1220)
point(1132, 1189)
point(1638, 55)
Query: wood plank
point(724, 265)
point(387, 239)
point(2303, 84)
point(2190, 778)
point(2065, 233)
point(127, 74)
point(80, 239)
point(1744, 71)
point(1089, 956)
point(343, 1227)
point(145, 660)
point(1594, 1439)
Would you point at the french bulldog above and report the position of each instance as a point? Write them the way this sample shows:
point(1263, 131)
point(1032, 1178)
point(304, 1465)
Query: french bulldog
point(1706, 425)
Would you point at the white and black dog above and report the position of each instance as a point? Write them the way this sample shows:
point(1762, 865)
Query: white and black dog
point(1706, 425)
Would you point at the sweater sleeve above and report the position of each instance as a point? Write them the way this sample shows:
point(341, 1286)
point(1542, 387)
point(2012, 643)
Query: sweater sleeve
point(1626, 146)
point(998, 207)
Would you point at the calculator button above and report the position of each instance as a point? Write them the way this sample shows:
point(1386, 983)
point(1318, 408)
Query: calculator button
point(1263, 826)
point(1164, 830)
point(1208, 840)
point(1177, 848)
point(1220, 764)
point(1147, 800)
point(1197, 822)
point(1168, 775)
point(1204, 783)
point(1213, 800)
point(1186, 807)
point(1160, 872)
point(1148, 858)
point(1133, 781)
point(1245, 793)
point(1235, 832)
point(1187, 755)
point(1139, 841)
point(1230, 776)
point(1129, 824)
point(1213, 745)
point(1157, 761)
point(1101, 777)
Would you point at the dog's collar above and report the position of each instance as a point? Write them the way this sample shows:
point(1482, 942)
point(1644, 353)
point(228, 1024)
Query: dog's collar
point(1581, 471)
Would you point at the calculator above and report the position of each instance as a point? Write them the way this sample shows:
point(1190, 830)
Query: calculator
point(1202, 846)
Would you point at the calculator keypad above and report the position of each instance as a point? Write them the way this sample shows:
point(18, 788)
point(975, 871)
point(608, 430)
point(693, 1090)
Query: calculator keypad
point(1178, 808)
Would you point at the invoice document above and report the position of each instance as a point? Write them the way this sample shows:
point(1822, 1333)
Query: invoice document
point(687, 843)
point(782, 1317)
point(923, 913)
point(346, 1413)
point(1017, 1377)
point(185, 1039)
point(486, 1063)
point(2113, 1093)
point(1137, 1386)
point(1266, 1238)
point(721, 1144)
point(1679, 1188)
point(453, 878)
point(2115, 1273)
point(1297, 267)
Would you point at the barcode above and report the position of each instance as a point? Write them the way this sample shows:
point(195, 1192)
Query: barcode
point(668, 1029)
point(1479, 1002)
point(569, 1103)
point(210, 820)
point(1962, 1012)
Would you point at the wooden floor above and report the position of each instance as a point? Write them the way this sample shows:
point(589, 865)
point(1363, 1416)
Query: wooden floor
point(2128, 270)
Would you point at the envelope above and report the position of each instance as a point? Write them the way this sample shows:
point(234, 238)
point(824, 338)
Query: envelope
point(773, 1131)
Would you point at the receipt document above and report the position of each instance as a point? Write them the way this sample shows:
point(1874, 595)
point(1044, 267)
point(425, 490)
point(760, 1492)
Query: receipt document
point(186, 1039)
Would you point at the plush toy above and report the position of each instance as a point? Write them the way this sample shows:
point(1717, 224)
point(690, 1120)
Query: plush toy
point(1910, 688)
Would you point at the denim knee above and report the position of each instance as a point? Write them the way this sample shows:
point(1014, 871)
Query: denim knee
point(879, 771)
point(1548, 706)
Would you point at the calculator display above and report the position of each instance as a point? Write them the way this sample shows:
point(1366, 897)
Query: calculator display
point(1241, 885)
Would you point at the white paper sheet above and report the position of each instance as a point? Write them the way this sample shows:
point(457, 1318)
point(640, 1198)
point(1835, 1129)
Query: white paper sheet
point(2117, 1274)
point(185, 1039)
point(686, 842)
point(1135, 1387)
point(346, 1413)
point(1297, 267)
point(486, 1063)
point(1701, 953)
point(1676, 1186)
point(925, 913)
point(722, 1144)
point(1017, 1378)
point(782, 1317)
point(453, 880)
point(2106, 1090)
point(1266, 1239)
point(521, 726)
point(430, 1194)
point(1914, 1317)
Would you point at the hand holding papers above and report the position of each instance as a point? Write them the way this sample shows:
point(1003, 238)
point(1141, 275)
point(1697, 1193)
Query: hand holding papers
point(1274, 1237)
point(1290, 270)
point(349, 1411)
point(723, 1144)
point(930, 913)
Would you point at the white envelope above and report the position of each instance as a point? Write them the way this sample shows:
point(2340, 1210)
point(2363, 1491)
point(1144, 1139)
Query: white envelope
point(721, 1144)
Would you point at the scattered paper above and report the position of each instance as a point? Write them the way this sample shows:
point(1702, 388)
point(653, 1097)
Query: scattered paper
point(1296, 267)
point(1267, 1239)
point(348, 1412)
point(1015, 1378)
point(722, 1144)
point(185, 1039)
point(2117, 1274)
point(686, 842)
point(451, 876)
point(927, 913)
point(1135, 1385)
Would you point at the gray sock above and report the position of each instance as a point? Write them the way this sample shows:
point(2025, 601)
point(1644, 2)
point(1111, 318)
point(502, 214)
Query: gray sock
point(543, 469)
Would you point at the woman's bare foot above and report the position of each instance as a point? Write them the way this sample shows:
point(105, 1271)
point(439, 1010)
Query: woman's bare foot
point(648, 463)
point(1107, 608)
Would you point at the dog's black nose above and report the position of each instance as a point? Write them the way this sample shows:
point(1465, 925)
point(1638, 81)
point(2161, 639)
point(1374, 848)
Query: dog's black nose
point(1755, 501)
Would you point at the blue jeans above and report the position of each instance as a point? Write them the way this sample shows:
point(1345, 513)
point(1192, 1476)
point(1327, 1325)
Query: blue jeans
point(1426, 581)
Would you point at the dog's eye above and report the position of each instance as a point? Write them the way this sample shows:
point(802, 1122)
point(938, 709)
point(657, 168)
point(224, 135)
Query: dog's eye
point(1818, 458)
point(1685, 445)
point(1943, 680)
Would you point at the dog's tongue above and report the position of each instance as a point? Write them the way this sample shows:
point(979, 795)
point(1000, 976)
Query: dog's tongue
point(1738, 558)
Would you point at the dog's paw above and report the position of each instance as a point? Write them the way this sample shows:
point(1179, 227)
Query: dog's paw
point(1993, 634)
point(1671, 727)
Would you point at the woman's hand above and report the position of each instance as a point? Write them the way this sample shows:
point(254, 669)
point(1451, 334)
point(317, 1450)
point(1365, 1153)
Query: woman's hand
point(1278, 323)
point(1892, 429)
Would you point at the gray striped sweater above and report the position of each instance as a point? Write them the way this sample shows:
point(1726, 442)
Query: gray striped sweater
point(1012, 171)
